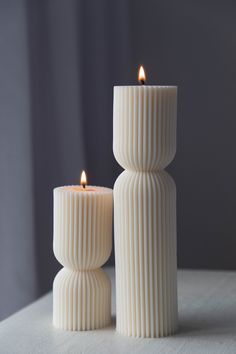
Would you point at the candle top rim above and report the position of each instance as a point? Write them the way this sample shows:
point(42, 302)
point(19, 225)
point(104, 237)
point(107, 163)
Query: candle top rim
point(149, 86)
point(87, 189)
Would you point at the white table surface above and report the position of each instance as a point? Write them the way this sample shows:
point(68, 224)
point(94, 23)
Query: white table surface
point(207, 324)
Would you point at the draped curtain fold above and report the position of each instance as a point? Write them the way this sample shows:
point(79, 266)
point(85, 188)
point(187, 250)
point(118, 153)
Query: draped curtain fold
point(56, 109)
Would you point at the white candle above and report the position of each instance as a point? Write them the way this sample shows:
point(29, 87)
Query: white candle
point(82, 243)
point(144, 128)
point(144, 142)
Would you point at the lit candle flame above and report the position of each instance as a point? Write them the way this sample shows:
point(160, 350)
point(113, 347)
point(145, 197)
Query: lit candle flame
point(83, 179)
point(141, 75)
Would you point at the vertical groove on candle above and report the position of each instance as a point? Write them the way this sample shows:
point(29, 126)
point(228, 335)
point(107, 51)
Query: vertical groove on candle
point(145, 272)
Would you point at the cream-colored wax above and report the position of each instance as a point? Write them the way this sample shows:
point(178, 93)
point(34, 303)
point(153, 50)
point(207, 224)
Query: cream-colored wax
point(82, 243)
point(144, 142)
point(144, 126)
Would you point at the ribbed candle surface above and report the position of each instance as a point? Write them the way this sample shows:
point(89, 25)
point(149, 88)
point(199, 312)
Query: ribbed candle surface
point(144, 128)
point(145, 211)
point(82, 243)
point(81, 300)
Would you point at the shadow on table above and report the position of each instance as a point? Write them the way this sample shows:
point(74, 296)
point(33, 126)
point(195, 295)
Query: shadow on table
point(221, 324)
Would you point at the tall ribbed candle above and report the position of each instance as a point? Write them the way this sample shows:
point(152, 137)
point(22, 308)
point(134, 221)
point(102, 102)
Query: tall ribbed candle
point(82, 243)
point(144, 143)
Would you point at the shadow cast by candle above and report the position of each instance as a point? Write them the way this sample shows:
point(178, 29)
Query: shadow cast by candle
point(221, 323)
point(111, 326)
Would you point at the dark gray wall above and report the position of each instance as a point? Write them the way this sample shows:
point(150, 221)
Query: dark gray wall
point(193, 44)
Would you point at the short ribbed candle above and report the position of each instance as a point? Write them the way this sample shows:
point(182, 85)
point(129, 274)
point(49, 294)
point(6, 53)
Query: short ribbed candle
point(82, 243)
point(144, 142)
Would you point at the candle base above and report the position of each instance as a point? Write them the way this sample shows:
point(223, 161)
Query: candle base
point(81, 300)
point(145, 250)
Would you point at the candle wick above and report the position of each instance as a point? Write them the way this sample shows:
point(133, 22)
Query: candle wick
point(83, 185)
point(142, 82)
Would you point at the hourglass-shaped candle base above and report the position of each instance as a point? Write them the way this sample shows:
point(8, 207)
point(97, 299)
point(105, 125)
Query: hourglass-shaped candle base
point(81, 300)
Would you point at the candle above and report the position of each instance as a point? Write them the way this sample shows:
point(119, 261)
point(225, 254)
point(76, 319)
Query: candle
point(144, 143)
point(82, 243)
point(144, 126)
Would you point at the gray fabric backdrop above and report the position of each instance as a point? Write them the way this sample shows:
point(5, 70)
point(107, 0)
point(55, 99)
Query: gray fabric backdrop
point(59, 61)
